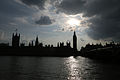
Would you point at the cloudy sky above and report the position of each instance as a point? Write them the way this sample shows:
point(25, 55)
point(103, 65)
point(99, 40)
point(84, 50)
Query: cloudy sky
point(55, 20)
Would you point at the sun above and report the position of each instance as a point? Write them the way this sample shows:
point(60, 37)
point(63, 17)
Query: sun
point(73, 22)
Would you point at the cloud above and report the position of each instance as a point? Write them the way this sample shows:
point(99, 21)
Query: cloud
point(106, 23)
point(22, 20)
point(81, 39)
point(104, 16)
point(13, 9)
point(37, 3)
point(44, 20)
point(10, 9)
point(71, 6)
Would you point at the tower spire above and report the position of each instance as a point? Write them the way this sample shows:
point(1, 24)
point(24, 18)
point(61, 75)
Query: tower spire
point(36, 42)
point(74, 41)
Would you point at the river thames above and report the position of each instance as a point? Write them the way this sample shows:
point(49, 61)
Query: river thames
point(56, 68)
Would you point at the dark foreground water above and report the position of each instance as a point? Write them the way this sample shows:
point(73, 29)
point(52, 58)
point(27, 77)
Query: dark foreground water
point(56, 68)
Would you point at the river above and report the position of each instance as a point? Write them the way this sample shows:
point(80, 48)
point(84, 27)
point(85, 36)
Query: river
point(56, 68)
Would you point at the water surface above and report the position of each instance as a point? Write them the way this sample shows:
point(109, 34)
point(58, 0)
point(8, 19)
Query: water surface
point(56, 68)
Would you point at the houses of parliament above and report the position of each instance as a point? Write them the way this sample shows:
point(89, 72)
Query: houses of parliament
point(16, 42)
point(97, 51)
point(37, 48)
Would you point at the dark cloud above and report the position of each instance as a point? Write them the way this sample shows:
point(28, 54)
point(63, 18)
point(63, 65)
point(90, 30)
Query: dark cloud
point(9, 10)
point(38, 3)
point(71, 6)
point(106, 24)
point(12, 8)
point(44, 20)
point(102, 28)
point(106, 20)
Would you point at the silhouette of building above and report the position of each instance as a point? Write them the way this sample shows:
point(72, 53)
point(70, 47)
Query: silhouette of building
point(74, 41)
point(58, 45)
point(68, 44)
point(61, 44)
point(4, 44)
point(22, 45)
point(15, 40)
point(40, 45)
point(36, 41)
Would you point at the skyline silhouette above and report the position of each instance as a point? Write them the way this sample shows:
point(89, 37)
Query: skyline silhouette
point(95, 51)
point(16, 42)
point(37, 48)
point(56, 23)
point(55, 20)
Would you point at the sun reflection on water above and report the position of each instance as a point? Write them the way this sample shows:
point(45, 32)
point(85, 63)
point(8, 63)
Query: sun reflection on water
point(73, 67)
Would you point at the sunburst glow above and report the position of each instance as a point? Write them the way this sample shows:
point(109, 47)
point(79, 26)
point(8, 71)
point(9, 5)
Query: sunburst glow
point(73, 22)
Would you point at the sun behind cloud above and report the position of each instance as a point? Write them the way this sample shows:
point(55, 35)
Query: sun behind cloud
point(73, 22)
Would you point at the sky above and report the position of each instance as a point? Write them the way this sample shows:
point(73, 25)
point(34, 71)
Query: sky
point(54, 21)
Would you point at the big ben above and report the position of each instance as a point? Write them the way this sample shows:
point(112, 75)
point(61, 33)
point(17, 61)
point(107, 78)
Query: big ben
point(74, 41)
